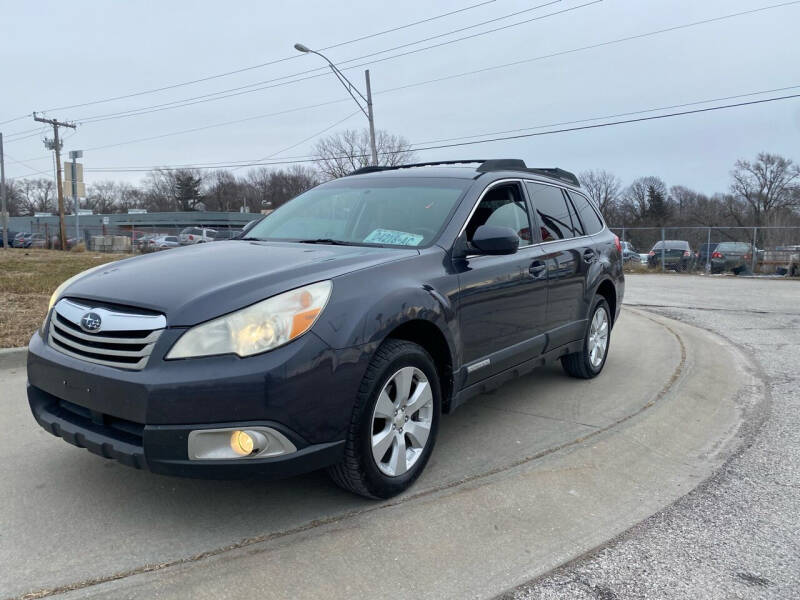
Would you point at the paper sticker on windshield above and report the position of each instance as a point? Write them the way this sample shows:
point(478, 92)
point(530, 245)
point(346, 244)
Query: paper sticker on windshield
point(395, 238)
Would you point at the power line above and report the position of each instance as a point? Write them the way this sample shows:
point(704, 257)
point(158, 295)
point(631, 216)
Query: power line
point(471, 72)
point(322, 71)
point(270, 62)
point(206, 98)
point(304, 140)
point(27, 166)
point(613, 116)
point(496, 139)
point(15, 119)
point(541, 126)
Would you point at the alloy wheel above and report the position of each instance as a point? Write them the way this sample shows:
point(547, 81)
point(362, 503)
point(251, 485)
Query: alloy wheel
point(401, 421)
point(598, 337)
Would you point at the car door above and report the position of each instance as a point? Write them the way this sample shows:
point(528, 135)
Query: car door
point(570, 253)
point(502, 299)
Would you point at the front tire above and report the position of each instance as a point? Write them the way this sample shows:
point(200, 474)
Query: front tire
point(394, 423)
point(589, 362)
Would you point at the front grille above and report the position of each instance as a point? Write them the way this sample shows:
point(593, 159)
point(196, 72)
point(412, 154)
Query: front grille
point(124, 339)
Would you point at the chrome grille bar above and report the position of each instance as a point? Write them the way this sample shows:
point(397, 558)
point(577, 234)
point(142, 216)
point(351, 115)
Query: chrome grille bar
point(123, 340)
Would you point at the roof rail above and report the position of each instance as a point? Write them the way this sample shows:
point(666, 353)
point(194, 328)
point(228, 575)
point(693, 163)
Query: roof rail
point(485, 166)
point(373, 169)
point(556, 173)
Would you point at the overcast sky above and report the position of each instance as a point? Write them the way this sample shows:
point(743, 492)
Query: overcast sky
point(58, 53)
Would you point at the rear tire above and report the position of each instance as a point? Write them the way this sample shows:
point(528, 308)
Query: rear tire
point(394, 423)
point(589, 362)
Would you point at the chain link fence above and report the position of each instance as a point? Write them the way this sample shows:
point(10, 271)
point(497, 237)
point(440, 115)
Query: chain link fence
point(737, 250)
point(125, 239)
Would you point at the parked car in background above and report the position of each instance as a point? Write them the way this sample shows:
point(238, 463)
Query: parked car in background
point(227, 234)
point(196, 235)
point(704, 254)
point(677, 255)
point(165, 241)
point(10, 235)
point(20, 240)
point(629, 252)
point(643, 258)
point(142, 240)
point(30, 240)
point(731, 256)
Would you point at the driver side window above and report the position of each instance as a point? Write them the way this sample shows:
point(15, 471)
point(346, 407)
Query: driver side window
point(502, 206)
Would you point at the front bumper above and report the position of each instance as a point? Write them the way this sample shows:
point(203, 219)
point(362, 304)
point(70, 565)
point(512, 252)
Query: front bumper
point(305, 390)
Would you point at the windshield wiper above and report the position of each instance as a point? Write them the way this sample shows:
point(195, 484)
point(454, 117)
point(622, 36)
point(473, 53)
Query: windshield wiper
point(330, 241)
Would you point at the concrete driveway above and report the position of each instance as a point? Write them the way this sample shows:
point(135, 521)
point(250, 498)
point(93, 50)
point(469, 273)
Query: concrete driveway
point(521, 481)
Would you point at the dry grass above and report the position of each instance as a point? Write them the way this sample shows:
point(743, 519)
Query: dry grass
point(27, 279)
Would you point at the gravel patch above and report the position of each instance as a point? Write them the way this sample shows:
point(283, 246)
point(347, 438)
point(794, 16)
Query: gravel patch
point(738, 534)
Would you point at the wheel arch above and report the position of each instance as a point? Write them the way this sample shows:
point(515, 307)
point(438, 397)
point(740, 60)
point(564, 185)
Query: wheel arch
point(428, 335)
point(608, 291)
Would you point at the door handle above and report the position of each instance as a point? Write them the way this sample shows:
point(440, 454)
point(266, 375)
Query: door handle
point(588, 255)
point(536, 269)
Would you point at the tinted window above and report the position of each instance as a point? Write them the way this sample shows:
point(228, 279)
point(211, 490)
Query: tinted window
point(577, 228)
point(502, 206)
point(552, 213)
point(591, 222)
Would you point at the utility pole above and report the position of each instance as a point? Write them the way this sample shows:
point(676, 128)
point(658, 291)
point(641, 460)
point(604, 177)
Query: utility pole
point(57, 148)
point(371, 119)
point(3, 207)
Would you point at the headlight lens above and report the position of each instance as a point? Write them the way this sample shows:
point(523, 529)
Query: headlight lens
point(257, 328)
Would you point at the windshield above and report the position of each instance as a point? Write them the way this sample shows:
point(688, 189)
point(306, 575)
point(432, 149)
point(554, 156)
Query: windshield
point(383, 212)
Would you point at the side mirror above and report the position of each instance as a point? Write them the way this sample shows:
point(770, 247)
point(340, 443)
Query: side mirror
point(490, 239)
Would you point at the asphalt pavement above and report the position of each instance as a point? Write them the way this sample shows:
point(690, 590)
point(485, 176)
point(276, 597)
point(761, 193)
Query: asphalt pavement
point(542, 471)
point(738, 534)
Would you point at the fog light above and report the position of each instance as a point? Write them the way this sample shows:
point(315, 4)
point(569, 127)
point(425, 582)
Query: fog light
point(242, 443)
point(238, 444)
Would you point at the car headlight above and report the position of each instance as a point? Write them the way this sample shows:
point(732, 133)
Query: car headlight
point(257, 328)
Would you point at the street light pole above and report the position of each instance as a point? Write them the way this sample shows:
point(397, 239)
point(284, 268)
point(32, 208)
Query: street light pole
point(366, 108)
point(371, 121)
point(3, 219)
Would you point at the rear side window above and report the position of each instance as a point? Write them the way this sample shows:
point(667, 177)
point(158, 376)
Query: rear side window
point(552, 212)
point(591, 221)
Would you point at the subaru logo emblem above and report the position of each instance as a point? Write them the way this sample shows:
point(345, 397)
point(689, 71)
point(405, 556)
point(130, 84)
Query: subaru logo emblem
point(90, 322)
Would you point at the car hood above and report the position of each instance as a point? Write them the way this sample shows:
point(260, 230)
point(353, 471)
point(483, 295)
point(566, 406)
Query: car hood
point(197, 283)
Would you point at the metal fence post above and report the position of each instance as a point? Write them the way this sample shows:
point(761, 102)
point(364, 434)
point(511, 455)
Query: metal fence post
point(663, 250)
point(754, 251)
point(708, 252)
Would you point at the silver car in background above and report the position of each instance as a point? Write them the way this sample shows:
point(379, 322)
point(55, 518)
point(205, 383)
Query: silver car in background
point(196, 235)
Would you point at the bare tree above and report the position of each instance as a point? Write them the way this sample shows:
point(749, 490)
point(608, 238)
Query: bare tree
point(102, 197)
point(636, 197)
point(13, 199)
point(285, 185)
point(38, 195)
point(222, 192)
point(346, 151)
point(603, 188)
point(171, 190)
point(766, 186)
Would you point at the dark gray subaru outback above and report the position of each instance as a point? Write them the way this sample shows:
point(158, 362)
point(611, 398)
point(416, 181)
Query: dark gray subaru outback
point(336, 331)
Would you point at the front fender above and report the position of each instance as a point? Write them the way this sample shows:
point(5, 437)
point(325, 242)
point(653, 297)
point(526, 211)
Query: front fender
point(357, 317)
